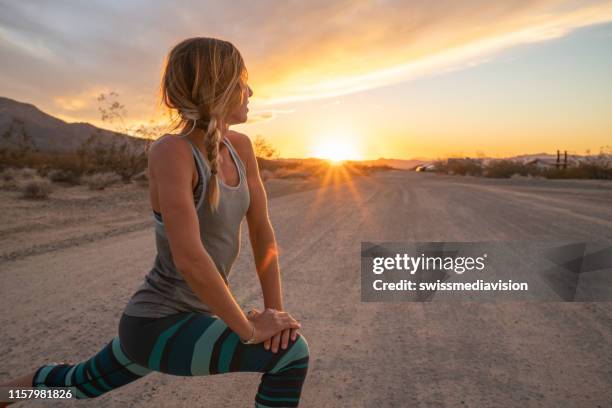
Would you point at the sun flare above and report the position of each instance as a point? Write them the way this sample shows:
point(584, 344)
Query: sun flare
point(336, 150)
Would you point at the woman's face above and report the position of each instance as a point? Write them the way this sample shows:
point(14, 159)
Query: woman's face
point(239, 115)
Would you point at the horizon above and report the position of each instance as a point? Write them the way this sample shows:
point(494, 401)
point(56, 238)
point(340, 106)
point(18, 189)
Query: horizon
point(417, 158)
point(528, 79)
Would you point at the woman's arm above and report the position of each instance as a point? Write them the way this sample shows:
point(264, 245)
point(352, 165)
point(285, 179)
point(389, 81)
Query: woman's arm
point(170, 167)
point(261, 233)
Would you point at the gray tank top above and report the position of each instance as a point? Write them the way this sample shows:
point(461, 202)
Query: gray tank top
point(164, 291)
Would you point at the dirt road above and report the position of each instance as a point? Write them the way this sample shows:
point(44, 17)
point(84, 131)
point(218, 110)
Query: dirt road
point(64, 303)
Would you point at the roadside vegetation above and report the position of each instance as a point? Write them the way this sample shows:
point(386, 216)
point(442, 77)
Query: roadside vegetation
point(590, 167)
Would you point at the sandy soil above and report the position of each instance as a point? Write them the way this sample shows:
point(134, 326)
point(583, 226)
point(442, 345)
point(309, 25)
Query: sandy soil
point(68, 266)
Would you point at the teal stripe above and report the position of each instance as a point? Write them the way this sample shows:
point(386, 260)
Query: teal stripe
point(294, 366)
point(69, 375)
point(298, 350)
point(160, 344)
point(126, 362)
point(98, 376)
point(82, 382)
point(267, 388)
point(79, 374)
point(42, 374)
point(227, 351)
point(79, 394)
point(202, 351)
point(281, 399)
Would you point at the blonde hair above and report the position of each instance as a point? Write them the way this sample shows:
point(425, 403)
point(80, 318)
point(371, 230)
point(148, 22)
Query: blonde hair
point(201, 81)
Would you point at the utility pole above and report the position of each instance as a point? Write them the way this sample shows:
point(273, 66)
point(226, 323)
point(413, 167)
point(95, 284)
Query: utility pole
point(558, 159)
point(565, 161)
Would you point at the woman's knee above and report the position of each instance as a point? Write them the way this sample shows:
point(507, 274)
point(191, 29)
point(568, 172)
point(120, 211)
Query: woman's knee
point(297, 356)
point(302, 346)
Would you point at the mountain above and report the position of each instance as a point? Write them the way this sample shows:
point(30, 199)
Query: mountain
point(24, 124)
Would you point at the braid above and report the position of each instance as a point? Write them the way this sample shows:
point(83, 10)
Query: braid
point(211, 142)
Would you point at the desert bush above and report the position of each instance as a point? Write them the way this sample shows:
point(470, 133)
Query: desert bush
point(263, 148)
point(357, 168)
point(36, 189)
point(99, 181)
point(64, 176)
point(27, 173)
point(440, 166)
point(520, 176)
point(9, 174)
point(464, 167)
point(9, 185)
point(290, 173)
point(272, 165)
point(508, 168)
point(125, 159)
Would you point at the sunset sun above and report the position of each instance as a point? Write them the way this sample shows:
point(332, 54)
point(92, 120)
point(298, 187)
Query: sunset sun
point(336, 150)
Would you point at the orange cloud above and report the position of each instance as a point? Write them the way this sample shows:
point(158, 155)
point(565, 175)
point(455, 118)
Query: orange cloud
point(365, 47)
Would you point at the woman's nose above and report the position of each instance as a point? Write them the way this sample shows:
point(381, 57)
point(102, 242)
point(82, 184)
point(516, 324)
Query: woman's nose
point(250, 91)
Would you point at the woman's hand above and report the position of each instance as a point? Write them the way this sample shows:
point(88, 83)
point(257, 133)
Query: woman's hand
point(281, 338)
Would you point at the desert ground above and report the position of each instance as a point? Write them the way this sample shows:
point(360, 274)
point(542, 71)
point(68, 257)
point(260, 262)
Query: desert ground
point(70, 263)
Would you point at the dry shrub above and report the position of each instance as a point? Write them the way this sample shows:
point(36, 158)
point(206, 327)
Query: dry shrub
point(36, 189)
point(519, 176)
point(8, 174)
point(9, 185)
point(27, 173)
point(290, 173)
point(8, 180)
point(99, 181)
point(13, 179)
point(64, 176)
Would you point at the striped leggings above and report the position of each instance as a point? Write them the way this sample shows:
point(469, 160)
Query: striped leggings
point(185, 344)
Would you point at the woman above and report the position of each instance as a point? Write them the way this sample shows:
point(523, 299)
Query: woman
point(183, 320)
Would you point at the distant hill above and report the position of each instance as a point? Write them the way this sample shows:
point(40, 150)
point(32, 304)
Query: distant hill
point(24, 123)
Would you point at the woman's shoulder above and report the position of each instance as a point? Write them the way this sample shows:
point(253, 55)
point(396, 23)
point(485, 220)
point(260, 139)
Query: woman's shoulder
point(241, 143)
point(168, 146)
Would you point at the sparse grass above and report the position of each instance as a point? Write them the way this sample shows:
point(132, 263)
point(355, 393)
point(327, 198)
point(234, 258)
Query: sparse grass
point(27, 173)
point(594, 167)
point(507, 169)
point(9, 185)
point(313, 168)
point(8, 174)
point(36, 189)
point(64, 176)
point(284, 173)
point(99, 181)
point(94, 156)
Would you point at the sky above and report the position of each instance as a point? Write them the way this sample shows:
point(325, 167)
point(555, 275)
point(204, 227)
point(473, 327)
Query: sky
point(341, 79)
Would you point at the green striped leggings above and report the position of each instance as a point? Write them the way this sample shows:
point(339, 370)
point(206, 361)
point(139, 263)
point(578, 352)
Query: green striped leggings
point(186, 344)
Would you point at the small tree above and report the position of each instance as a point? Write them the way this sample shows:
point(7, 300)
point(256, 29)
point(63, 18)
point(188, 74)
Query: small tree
point(264, 149)
point(126, 157)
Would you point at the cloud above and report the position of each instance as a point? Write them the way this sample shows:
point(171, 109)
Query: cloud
point(416, 40)
point(294, 50)
point(267, 115)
